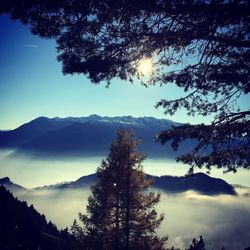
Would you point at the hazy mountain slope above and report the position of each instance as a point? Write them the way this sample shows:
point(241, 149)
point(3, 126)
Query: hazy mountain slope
point(86, 135)
point(79, 137)
point(198, 182)
point(27, 131)
point(10, 185)
point(91, 138)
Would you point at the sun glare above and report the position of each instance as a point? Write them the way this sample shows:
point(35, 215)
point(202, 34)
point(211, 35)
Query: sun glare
point(145, 67)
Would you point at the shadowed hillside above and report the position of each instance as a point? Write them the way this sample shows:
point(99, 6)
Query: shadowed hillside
point(22, 227)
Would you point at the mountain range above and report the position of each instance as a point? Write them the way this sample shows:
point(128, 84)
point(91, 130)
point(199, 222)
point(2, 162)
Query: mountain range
point(90, 135)
point(198, 182)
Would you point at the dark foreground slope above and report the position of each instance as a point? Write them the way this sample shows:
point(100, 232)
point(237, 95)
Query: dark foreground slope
point(22, 227)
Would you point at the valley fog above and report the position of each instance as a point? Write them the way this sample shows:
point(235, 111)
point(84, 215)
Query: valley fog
point(222, 220)
point(32, 171)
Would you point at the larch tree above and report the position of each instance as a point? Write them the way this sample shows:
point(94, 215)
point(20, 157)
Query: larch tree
point(203, 47)
point(120, 210)
point(197, 244)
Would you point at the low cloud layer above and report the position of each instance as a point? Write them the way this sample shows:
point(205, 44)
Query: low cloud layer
point(224, 221)
point(53, 170)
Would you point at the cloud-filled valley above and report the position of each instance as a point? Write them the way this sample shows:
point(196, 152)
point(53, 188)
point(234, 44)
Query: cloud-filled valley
point(222, 220)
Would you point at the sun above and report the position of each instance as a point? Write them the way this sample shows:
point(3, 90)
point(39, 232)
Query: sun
point(145, 67)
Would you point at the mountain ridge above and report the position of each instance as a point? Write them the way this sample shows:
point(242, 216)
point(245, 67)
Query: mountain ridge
point(90, 135)
point(91, 117)
point(199, 182)
point(13, 187)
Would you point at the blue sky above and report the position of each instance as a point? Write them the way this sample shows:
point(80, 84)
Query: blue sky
point(32, 85)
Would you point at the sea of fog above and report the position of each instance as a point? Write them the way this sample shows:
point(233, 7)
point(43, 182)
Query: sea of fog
point(30, 171)
point(224, 221)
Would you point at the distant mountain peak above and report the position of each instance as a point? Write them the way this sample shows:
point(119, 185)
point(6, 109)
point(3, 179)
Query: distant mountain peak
point(200, 182)
point(42, 118)
point(5, 180)
point(94, 116)
point(10, 185)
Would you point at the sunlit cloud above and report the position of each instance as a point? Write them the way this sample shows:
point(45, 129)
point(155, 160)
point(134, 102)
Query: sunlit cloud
point(223, 220)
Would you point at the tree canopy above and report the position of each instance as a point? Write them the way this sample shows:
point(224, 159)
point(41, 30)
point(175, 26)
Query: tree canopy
point(197, 244)
point(120, 210)
point(203, 47)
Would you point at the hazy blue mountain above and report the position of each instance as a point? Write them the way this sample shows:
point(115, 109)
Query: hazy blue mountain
point(82, 182)
point(30, 130)
point(10, 185)
point(86, 135)
point(199, 182)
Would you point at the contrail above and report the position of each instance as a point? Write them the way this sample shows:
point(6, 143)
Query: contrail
point(31, 45)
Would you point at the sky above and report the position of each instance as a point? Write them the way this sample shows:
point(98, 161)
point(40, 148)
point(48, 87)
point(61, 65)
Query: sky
point(32, 85)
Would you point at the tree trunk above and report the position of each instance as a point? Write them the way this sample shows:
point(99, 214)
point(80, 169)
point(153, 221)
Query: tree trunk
point(127, 229)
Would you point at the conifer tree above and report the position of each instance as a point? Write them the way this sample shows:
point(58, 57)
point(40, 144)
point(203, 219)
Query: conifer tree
point(197, 244)
point(120, 211)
